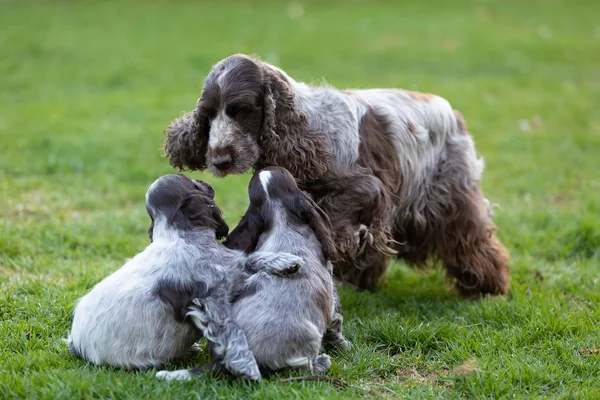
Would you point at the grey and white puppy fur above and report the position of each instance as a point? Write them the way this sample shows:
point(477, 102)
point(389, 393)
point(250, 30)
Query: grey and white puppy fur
point(287, 319)
point(136, 317)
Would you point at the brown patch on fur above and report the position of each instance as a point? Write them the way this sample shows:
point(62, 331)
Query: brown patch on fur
point(412, 128)
point(421, 96)
point(471, 251)
point(377, 151)
point(378, 155)
point(360, 205)
point(460, 121)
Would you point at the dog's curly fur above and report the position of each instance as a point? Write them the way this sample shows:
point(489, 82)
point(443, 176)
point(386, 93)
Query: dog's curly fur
point(396, 171)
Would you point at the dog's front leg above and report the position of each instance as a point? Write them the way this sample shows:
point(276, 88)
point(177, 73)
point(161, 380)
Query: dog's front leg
point(280, 264)
point(359, 208)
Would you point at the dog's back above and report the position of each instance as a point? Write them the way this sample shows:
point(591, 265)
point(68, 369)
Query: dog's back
point(285, 318)
point(121, 322)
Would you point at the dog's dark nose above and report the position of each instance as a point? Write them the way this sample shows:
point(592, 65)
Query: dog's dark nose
point(222, 161)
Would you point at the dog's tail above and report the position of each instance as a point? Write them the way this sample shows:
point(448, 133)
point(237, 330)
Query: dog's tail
point(73, 350)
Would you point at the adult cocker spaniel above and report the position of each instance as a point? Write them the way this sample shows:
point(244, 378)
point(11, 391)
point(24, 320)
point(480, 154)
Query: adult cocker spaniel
point(396, 171)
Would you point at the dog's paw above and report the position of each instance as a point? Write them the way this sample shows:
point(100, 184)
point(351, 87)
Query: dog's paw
point(179, 375)
point(288, 271)
point(321, 363)
point(344, 345)
point(248, 371)
point(244, 366)
point(253, 374)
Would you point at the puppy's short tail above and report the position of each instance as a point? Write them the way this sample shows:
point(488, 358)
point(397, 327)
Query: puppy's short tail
point(73, 350)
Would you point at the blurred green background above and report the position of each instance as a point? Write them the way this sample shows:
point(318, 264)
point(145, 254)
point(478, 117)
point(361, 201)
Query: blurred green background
point(86, 89)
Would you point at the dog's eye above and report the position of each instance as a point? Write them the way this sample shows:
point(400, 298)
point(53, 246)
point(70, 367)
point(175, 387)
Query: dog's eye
point(238, 110)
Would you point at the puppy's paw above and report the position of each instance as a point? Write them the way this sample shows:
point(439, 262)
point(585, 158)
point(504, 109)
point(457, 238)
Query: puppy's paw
point(243, 365)
point(286, 264)
point(179, 375)
point(321, 363)
point(252, 374)
point(288, 271)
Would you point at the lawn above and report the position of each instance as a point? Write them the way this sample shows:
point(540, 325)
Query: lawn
point(86, 89)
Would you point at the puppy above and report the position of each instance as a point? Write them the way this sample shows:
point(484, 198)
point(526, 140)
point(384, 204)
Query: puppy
point(136, 317)
point(287, 317)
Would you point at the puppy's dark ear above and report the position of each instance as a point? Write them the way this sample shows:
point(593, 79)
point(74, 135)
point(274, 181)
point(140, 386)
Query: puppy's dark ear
point(186, 141)
point(222, 229)
point(200, 210)
point(245, 235)
point(311, 214)
point(151, 231)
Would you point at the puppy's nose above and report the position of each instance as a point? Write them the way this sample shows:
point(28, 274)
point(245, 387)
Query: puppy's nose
point(222, 161)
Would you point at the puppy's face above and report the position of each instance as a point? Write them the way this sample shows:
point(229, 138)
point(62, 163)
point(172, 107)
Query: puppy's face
point(272, 184)
point(232, 101)
point(275, 187)
point(183, 204)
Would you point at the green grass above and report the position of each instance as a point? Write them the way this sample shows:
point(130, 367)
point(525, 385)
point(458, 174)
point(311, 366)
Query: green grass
point(87, 87)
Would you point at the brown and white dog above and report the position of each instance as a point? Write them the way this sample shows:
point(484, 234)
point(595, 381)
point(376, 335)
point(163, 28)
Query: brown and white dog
point(396, 171)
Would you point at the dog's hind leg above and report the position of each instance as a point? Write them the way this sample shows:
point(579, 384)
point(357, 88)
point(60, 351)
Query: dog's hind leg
point(471, 251)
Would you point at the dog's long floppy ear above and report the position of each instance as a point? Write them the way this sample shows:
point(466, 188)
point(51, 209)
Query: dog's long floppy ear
point(245, 235)
point(311, 214)
point(202, 211)
point(198, 210)
point(285, 138)
point(186, 141)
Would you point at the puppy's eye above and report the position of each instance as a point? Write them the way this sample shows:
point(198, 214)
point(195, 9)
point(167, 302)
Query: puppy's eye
point(237, 110)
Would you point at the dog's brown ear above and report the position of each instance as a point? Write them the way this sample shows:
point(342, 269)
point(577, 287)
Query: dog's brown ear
point(286, 139)
point(312, 215)
point(245, 235)
point(186, 141)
